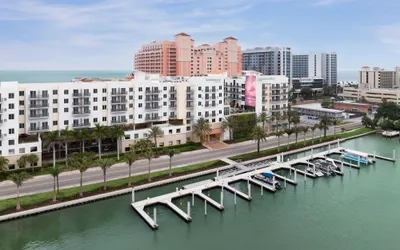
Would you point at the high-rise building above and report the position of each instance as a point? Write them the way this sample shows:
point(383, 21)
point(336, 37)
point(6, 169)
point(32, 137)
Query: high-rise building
point(378, 78)
point(316, 65)
point(181, 58)
point(269, 61)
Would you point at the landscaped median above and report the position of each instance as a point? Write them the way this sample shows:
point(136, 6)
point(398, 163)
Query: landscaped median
point(300, 144)
point(42, 199)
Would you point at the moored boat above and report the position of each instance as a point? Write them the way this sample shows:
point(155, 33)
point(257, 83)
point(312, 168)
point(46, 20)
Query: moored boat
point(269, 179)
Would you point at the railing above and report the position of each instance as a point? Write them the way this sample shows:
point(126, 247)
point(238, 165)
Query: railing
point(87, 103)
point(118, 93)
point(33, 116)
point(35, 106)
point(35, 129)
point(155, 99)
point(81, 113)
point(119, 121)
point(80, 94)
point(152, 107)
point(153, 118)
point(172, 91)
point(153, 91)
point(172, 98)
point(39, 96)
point(116, 110)
point(80, 125)
point(119, 100)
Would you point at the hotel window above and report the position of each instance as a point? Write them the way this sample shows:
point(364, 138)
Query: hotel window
point(104, 119)
point(65, 100)
point(95, 91)
point(11, 95)
point(55, 92)
point(94, 108)
point(55, 123)
point(21, 125)
point(55, 101)
point(11, 142)
point(66, 110)
point(130, 89)
point(104, 98)
point(66, 92)
point(95, 120)
point(104, 90)
point(21, 93)
point(66, 122)
point(21, 112)
point(94, 99)
point(104, 107)
point(11, 116)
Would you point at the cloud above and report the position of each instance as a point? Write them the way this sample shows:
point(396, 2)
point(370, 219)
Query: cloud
point(330, 2)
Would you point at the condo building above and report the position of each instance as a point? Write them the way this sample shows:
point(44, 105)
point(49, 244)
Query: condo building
point(182, 58)
point(316, 65)
point(379, 78)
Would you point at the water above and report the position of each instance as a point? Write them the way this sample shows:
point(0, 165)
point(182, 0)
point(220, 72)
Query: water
point(357, 211)
point(58, 76)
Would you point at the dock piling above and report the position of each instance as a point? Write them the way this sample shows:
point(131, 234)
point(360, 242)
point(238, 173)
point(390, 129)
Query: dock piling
point(394, 154)
point(177, 189)
point(358, 162)
point(312, 153)
point(374, 154)
point(338, 144)
point(217, 173)
point(205, 207)
point(262, 191)
point(284, 183)
point(249, 190)
point(222, 197)
point(341, 166)
point(329, 148)
point(133, 195)
point(273, 182)
point(295, 175)
point(290, 171)
point(234, 197)
point(192, 198)
point(188, 208)
point(155, 215)
point(305, 176)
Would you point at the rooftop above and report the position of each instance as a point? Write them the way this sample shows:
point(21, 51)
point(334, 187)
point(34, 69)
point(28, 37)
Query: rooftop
point(317, 106)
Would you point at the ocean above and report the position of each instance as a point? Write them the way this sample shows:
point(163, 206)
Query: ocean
point(68, 75)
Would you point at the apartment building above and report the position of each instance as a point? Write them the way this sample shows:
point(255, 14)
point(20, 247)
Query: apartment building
point(379, 78)
point(269, 61)
point(182, 58)
point(271, 93)
point(173, 103)
point(373, 95)
point(316, 65)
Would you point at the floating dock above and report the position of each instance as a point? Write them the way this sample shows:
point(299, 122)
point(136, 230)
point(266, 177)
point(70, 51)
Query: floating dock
point(390, 133)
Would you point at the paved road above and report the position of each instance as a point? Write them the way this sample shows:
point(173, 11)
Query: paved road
point(94, 175)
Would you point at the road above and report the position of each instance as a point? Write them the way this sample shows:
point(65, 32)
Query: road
point(44, 183)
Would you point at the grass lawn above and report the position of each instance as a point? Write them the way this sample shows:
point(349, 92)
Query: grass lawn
point(343, 123)
point(31, 201)
point(299, 144)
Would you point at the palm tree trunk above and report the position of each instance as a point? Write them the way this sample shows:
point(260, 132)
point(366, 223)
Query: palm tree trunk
point(304, 139)
point(118, 149)
point(83, 146)
point(66, 153)
point(312, 138)
point(288, 138)
point(149, 173)
point(320, 135)
point(296, 137)
point(155, 142)
point(80, 189)
point(58, 185)
point(334, 131)
point(230, 135)
point(324, 132)
point(104, 179)
point(130, 173)
point(18, 202)
point(54, 189)
point(170, 166)
point(54, 156)
point(258, 146)
point(99, 145)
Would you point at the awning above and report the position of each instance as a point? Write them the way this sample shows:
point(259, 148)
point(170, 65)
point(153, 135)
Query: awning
point(216, 131)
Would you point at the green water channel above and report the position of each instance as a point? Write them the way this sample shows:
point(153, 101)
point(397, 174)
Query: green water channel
point(357, 211)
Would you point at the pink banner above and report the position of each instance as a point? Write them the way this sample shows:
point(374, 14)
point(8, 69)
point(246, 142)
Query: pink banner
point(250, 91)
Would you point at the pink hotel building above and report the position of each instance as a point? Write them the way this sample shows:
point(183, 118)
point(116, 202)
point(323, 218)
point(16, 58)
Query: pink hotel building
point(182, 58)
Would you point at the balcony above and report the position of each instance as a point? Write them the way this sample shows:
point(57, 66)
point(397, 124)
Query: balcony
point(172, 98)
point(155, 99)
point(190, 98)
point(80, 94)
point(152, 107)
point(119, 110)
point(81, 113)
point(121, 121)
point(119, 100)
point(39, 106)
point(2, 135)
point(38, 116)
point(191, 117)
point(3, 99)
point(172, 117)
point(2, 110)
point(81, 125)
point(152, 118)
point(87, 103)
point(172, 91)
point(39, 97)
point(153, 91)
point(39, 129)
point(119, 93)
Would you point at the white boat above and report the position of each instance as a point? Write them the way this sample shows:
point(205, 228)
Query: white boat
point(269, 179)
point(356, 156)
point(317, 173)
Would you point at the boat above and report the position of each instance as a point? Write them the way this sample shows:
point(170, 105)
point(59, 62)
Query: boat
point(269, 179)
point(317, 173)
point(356, 156)
point(390, 133)
point(325, 167)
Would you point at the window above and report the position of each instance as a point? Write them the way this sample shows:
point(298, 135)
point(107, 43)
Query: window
point(21, 103)
point(11, 142)
point(199, 113)
point(178, 131)
point(220, 101)
point(130, 89)
point(199, 95)
point(165, 95)
point(136, 136)
point(220, 119)
point(131, 97)
point(220, 87)
point(66, 100)
point(55, 101)
point(130, 116)
point(21, 125)
point(199, 103)
point(11, 151)
point(140, 89)
point(213, 120)
point(220, 94)
point(140, 116)
point(131, 105)
point(95, 120)
point(11, 166)
point(21, 93)
point(65, 91)
point(55, 110)
point(220, 111)
point(199, 88)
point(55, 123)
point(11, 116)
point(11, 95)
point(165, 114)
point(188, 128)
point(21, 112)
point(170, 143)
point(140, 105)
point(55, 92)
point(104, 107)
point(94, 99)
point(22, 151)
point(178, 142)
point(66, 122)
point(104, 98)
point(66, 110)
point(95, 108)
point(104, 90)
point(140, 97)
point(104, 119)
point(170, 131)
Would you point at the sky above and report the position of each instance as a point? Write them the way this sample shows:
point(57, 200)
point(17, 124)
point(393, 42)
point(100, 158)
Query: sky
point(105, 34)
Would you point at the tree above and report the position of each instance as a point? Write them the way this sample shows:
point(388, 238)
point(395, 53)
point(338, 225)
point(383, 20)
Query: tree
point(258, 134)
point(313, 128)
point(325, 122)
point(171, 153)
point(22, 161)
point(201, 128)
point(66, 136)
point(289, 132)
point(326, 103)
point(143, 145)
point(3, 164)
point(305, 130)
point(367, 122)
point(55, 172)
point(81, 162)
point(321, 128)
point(52, 139)
point(279, 134)
point(263, 118)
point(387, 124)
point(335, 122)
point(83, 135)
point(289, 115)
point(130, 158)
point(155, 133)
point(148, 154)
point(277, 117)
point(19, 179)
point(32, 159)
point(118, 134)
point(306, 92)
point(100, 132)
point(230, 124)
point(296, 131)
point(105, 164)
point(343, 129)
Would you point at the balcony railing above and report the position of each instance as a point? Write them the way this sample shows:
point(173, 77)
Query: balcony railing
point(38, 129)
point(172, 91)
point(38, 116)
point(116, 110)
point(153, 107)
point(81, 125)
point(81, 113)
point(156, 99)
point(87, 103)
point(38, 106)
point(119, 93)
point(153, 91)
point(39, 97)
point(119, 121)
point(119, 100)
point(152, 118)
point(80, 94)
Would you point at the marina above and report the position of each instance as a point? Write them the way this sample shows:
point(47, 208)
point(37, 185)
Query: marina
point(261, 173)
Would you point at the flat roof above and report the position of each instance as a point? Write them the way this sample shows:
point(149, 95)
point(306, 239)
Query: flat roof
point(317, 106)
point(355, 103)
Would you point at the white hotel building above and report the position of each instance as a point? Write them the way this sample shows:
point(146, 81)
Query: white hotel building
point(173, 103)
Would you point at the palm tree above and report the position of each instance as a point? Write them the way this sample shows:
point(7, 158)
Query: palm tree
point(83, 135)
point(277, 117)
point(80, 162)
point(66, 136)
point(155, 133)
point(149, 154)
point(279, 134)
point(313, 128)
point(258, 134)
point(22, 161)
point(295, 118)
point(33, 159)
point(143, 144)
point(100, 132)
point(201, 128)
point(296, 131)
point(53, 139)
point(263, 118)
point(230, 124)
point(117, 133)
point(343, 129)
point(130, 158)
point(305, 130)
point(3, 164)
point(289, 115)
point(325, 122)
point(335, 122)
point(105, 164)
point(289, 132)
point(55, 172)
point(321, 128)
point(171, 153)
point(18, 179)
